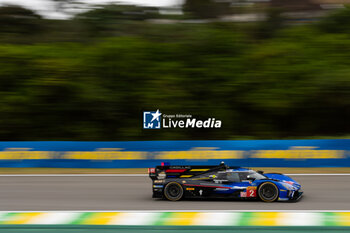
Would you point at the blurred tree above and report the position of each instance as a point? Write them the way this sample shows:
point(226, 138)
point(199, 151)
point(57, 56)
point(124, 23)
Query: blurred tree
point(96, 87)
point(206, 9)
point(337, 22)
point(16, 19)
point(109, 19)
point(69, 7)
point(267, 28)
point(295, 5)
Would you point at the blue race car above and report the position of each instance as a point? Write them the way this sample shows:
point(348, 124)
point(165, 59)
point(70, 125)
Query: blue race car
point(177, 182)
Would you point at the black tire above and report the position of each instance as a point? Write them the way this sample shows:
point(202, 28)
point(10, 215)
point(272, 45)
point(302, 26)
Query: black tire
point(173, 191)
point(268, 192)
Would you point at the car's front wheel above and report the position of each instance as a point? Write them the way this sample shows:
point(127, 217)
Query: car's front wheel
point(173, 191)
point(268, 192)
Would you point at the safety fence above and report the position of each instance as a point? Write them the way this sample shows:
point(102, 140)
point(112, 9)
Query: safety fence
point(142, 154)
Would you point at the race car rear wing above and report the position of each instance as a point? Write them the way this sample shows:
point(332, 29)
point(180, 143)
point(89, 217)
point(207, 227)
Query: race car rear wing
point(162, 172)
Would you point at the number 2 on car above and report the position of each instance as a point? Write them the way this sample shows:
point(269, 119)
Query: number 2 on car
point(251, 191)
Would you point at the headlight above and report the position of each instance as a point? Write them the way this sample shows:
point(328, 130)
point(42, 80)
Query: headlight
point(287, 186)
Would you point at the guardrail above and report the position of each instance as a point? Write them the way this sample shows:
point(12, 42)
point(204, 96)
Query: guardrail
point(250, 153)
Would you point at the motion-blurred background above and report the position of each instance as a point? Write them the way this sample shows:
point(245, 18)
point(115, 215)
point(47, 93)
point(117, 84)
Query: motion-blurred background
point(75, 70)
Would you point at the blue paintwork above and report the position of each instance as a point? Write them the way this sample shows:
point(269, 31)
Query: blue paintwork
point(280, 177)
point(232, 186)
point(284, 184)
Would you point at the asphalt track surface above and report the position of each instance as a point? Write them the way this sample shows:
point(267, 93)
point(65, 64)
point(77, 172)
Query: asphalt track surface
point(134, 193)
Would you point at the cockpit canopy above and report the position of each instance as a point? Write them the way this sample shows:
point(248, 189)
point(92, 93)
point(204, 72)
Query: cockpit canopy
point(238, 176)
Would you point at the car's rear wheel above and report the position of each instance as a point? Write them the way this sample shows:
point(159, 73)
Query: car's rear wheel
point(173, 191)
point(268, 192)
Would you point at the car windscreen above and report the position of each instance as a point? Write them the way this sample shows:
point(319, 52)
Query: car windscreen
point(257, 176)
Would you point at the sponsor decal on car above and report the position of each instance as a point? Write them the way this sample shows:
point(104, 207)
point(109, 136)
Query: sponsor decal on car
point(243, 194)
point(288, 182)
point(151, 170)
point(221, 189)
point(190, 189)
point(186, 176)
point(251, 191)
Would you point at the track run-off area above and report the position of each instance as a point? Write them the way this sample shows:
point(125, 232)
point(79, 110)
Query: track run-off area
point(110, 192)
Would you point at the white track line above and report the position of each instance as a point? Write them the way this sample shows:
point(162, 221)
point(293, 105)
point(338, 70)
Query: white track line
point(145, 175)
